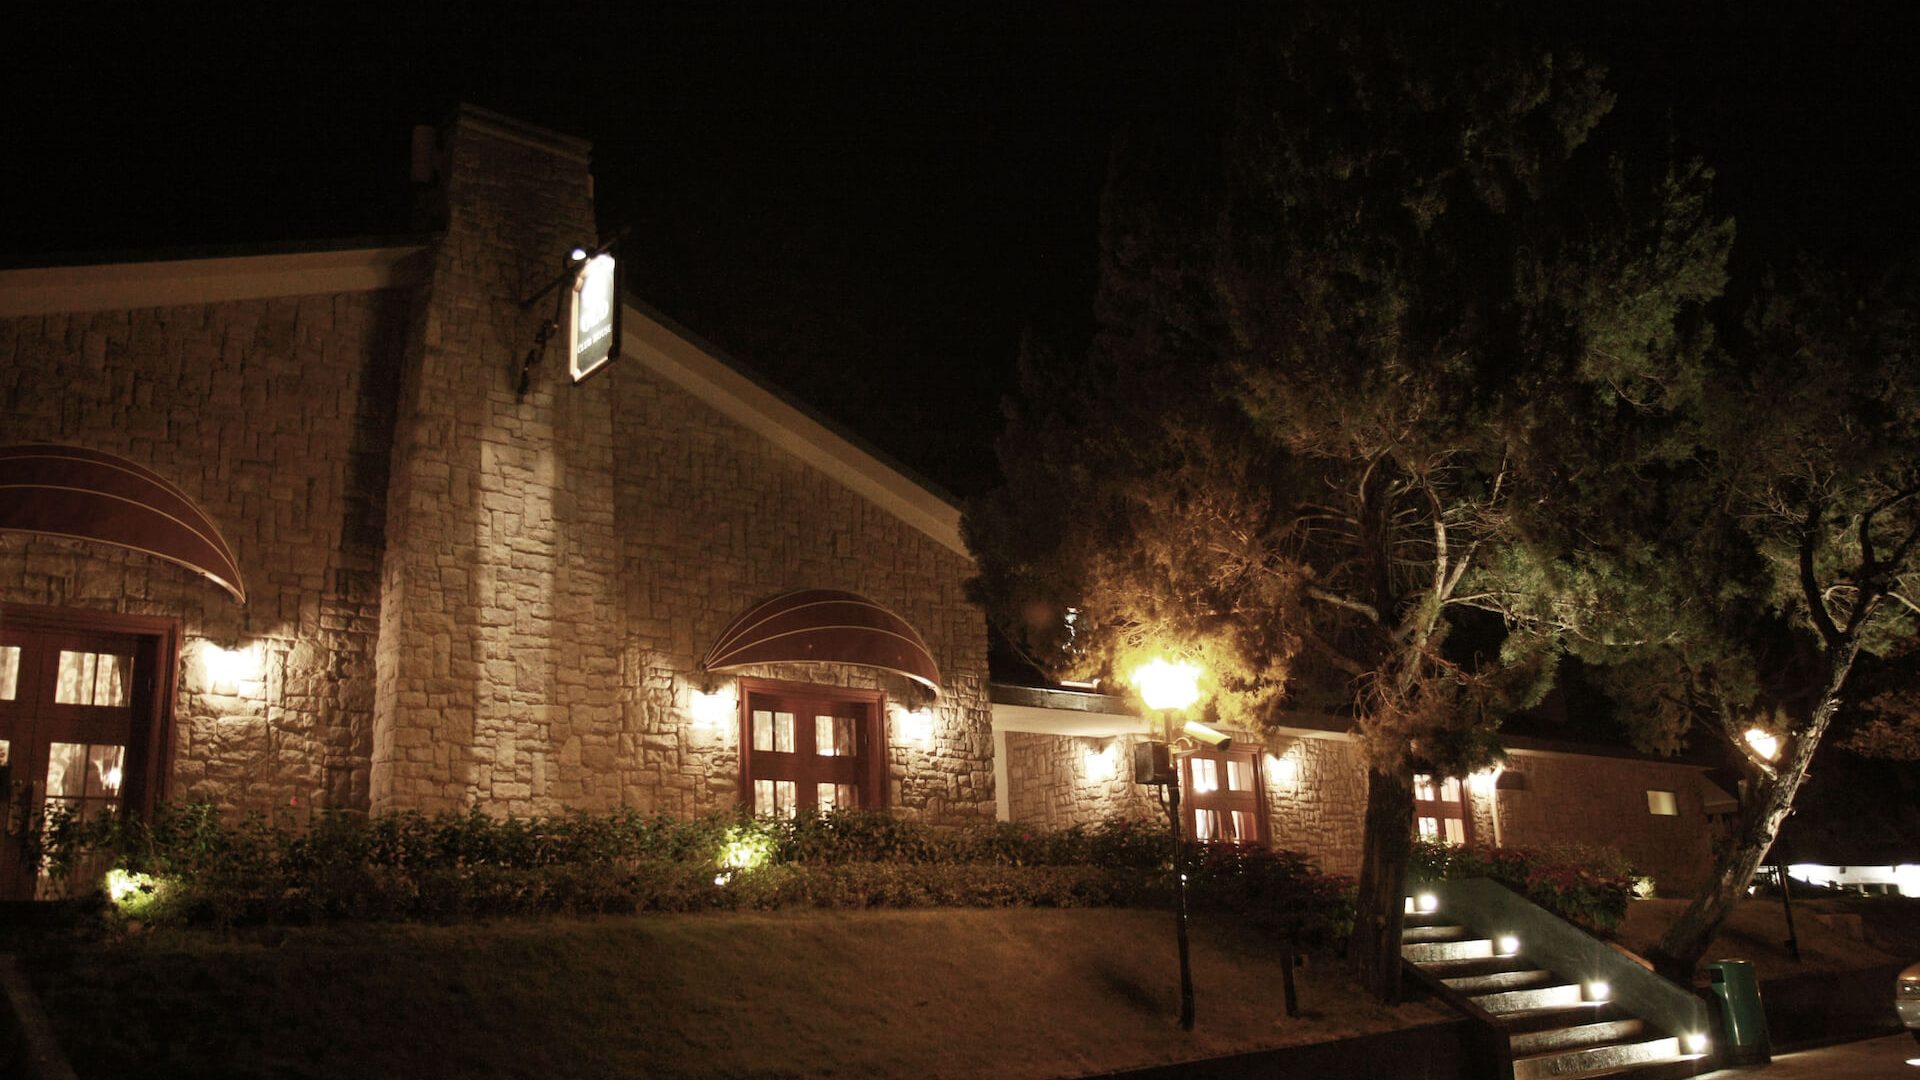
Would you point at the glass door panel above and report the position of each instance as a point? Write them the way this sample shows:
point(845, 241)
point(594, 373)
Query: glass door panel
point(9, 672)
point(66, 721)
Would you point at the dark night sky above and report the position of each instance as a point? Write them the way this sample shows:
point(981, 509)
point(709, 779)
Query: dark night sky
point(871, 210)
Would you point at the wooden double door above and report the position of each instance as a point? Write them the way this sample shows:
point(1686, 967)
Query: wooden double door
point(80, 711)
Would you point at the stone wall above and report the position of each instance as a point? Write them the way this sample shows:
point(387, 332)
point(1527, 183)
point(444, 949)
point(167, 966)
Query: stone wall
point(1603, 800)
point(1051, 781)
point(712, 518)
point(275, 416)
point(498, 667)
point(1323, 811)
point(1317, 801)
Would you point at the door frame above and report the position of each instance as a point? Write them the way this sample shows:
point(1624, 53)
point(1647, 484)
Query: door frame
point(876, 772)
point(150, 747)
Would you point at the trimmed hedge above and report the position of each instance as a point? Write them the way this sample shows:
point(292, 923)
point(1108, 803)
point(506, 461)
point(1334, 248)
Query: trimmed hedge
point(191, 864)
point(1587, 885)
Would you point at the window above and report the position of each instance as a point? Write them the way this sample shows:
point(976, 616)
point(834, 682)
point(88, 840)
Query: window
point(1440, 809)
point(805, 747)
point(1662, 804)
point(1222, 801)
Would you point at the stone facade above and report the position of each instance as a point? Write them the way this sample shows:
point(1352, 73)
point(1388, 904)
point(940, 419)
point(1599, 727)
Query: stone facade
point(713, 518)
point(1323, 810)
point(1052, 782)
point(1316, 803)
point(461, 595)
point(1316, 800)
point(275, 416)
point(499, 680)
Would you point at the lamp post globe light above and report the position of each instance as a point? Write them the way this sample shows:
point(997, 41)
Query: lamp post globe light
point(1168, 687)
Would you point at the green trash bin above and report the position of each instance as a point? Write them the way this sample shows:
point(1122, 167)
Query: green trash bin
point(1743, 1020)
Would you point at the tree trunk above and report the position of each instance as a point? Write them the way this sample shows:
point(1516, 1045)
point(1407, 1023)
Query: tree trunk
point(1767, 806)
point(1379, 913)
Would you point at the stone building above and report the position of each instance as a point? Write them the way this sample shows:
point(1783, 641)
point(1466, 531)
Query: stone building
point(1065, 756)
point(305, 530)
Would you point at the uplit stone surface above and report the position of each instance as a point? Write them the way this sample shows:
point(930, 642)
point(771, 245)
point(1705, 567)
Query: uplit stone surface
point(275, 415)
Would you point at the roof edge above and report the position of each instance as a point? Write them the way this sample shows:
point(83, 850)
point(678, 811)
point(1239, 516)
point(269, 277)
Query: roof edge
point(173, 282)
point(676, 355)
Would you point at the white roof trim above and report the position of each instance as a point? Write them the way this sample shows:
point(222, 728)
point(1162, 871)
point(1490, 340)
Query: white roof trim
point(1073, 722)
point(687, 366)
point(53, 290)
point(1602, 754)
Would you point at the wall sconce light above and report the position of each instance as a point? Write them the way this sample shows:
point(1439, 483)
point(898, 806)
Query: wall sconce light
point(914, 727)
point(1486, 780)
point(712, 707)
point(1283, 771)
point(1102, 763)
point(223, 669)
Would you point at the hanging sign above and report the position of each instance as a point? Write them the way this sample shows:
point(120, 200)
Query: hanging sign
point(593, 318)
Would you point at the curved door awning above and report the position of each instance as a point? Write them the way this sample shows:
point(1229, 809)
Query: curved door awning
point(824, 626)
point(81, 494)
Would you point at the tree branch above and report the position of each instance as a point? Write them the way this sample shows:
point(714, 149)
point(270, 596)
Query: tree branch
point(1872, 565)
point(1816, 603)
point(1337, 600)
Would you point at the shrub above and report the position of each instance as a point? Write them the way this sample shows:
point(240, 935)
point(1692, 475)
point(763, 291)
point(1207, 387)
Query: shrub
point(1587, 885)
point(199, 866)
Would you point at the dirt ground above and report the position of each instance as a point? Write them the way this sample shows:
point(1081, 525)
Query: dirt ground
point(1836, 934)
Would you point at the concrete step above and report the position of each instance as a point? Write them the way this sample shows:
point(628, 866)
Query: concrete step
point(1589, 1012)
point(1424, 918)
point(1542, 997)
point(1480, 965)
point(1428, 952)
point(1554, 1040)
point(1670, 1068)
point(1523, 979)
point(1415, 934)
point(1594, 1060)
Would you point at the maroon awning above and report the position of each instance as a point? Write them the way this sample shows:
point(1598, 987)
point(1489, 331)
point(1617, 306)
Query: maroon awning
point(82, 494)
point(824, 626)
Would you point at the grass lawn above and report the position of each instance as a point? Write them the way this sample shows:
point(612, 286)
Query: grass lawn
point(1841, 934)
point(1016, 993)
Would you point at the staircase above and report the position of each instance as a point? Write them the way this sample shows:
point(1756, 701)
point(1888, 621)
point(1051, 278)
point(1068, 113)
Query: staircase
point(1547, 1025)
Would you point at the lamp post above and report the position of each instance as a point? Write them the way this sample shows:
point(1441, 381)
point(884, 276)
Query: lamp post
point(1168, 688)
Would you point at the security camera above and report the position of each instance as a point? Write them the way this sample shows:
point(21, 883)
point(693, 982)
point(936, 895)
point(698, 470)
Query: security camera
point(1212, 737)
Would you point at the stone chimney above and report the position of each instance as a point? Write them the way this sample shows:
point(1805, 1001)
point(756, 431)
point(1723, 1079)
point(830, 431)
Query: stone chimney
point(498, 671)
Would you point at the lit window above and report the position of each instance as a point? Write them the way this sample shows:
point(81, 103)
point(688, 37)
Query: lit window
point(1239, 774)
point(1206, 776)
point(1662, 803)
point(1219, 813)
point(1440, 809)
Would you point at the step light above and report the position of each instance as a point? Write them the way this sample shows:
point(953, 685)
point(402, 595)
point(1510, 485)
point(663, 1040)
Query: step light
point(1696, 1043)
point(1598, 991)
point(1429, 903)
point(1507, 945)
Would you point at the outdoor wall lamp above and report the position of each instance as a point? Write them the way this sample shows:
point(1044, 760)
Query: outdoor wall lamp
point(712, 706)
point(1102, 762)
point(223, 669)
point(914, 727)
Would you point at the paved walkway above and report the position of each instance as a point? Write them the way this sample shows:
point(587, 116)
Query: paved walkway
point(1891, 1057)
